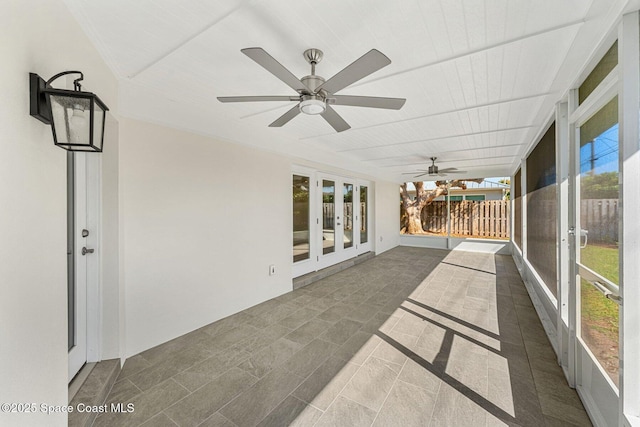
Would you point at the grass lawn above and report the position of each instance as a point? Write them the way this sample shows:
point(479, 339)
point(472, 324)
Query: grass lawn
point(600, 315)
point(601, 312)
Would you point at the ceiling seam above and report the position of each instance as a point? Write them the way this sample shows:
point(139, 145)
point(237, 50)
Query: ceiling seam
point(189, 39)
point(438, 138)
point(473, 52)
point(441, 113)
point(440, 161)
point(444, 152)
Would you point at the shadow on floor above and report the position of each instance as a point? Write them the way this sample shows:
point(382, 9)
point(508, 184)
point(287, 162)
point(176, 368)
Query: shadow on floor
point(412, 337)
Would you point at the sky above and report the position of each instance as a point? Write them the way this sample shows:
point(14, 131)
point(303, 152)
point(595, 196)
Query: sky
point(605, 153)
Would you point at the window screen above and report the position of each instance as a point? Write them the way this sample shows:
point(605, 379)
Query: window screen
point(542, 209)
point(602, 70)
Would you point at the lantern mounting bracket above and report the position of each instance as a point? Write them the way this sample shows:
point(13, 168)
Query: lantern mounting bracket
point(37, 85)
point(76, 83)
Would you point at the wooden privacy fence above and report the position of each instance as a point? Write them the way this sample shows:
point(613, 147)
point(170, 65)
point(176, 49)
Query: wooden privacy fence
point(328, 214)
point(600, 218)
point(487, 218)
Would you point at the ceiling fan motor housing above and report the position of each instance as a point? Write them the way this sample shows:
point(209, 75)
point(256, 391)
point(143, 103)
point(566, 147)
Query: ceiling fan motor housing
point(433, 170)
point(313, 82)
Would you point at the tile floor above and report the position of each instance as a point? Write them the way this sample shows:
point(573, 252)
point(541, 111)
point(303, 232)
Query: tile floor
point(413, 337)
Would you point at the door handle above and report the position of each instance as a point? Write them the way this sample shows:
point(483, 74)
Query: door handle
point(87, 251)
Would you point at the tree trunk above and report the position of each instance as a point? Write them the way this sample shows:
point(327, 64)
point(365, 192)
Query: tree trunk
point(413, 208)
point(414, 220)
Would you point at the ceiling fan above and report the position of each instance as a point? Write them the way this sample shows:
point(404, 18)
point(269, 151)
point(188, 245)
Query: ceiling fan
point(314, 94)
point(433, 170)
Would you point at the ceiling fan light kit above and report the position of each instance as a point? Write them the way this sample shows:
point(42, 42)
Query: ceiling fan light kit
point(315, 94)
point(312, 104)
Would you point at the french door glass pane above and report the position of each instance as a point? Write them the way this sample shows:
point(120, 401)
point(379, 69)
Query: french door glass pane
point(364, 235)
point(347, 193)
point(328, 215)
point(599, 250)
point(300, 218)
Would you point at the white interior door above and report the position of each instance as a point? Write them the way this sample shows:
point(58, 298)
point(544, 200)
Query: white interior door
point(77, 262)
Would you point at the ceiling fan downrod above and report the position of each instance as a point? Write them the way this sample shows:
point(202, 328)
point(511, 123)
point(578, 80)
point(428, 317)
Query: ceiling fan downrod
point(313, 56)
point(313, 81)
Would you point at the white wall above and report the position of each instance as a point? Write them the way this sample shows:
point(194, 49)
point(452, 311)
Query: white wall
point(111, 287)
point(387, 216)
point(203, 220)
point(40, 37)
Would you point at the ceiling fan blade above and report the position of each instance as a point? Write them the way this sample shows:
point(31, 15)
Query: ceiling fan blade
point(369, 101)
point(335, 120)
point(451, 170)
point(286, 117)
point(422, 174)
point(411, 173)
point(274, 67)
point(257, 98)
point(367, 64)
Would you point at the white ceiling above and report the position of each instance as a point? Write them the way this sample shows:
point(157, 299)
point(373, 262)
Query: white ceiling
point(480, 77)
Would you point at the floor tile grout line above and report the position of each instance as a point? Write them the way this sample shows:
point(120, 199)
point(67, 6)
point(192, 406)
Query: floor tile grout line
point(167, 415)
point(395, 381)
point(339, 394)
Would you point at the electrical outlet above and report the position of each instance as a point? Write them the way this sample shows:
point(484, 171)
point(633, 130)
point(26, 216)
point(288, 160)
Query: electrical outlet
point(272, 270)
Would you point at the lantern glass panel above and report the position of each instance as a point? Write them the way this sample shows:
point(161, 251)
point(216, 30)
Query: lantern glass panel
point(70, 119)
point(98, 125)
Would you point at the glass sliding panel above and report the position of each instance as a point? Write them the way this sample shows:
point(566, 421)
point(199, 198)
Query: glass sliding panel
point(300, 218)
point(364, 235)
point(599, 200)
point(328, 215)
point(542, 209)
point(347, 194)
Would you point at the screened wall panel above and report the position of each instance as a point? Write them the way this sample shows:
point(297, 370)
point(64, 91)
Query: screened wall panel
point(542, 209)
point(516, 190)
point(601, 70)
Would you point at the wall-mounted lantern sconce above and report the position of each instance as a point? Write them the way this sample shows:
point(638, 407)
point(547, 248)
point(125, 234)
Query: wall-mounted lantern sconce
point(76, 117)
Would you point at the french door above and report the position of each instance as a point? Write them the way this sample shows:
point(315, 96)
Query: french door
point(338, 220)
point(330, 220)
point(596, 256)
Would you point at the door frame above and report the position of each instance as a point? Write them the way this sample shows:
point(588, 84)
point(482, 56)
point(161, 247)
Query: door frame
point(77, 174)
point(87, 205)
point(585, 372)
